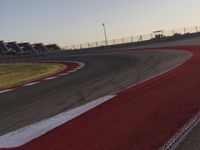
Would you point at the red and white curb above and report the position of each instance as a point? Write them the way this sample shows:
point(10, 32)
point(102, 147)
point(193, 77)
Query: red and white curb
point(80, 65)
point(26, 134)
point(4, 91)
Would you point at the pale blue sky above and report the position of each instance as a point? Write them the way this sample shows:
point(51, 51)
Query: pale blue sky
point(69, 22)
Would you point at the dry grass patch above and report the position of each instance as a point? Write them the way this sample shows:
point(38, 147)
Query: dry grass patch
point(11, 74)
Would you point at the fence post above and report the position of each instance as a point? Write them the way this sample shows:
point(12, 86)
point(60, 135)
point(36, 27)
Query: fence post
point(96, 44)
point(122, 40)
point(196, 28)
point(113, 42)
point(141, 38)
point(81, 46)
point(105, 43)
point(173, 32)
point(151, 36)
point(88, 45)
point(73, 47)
point(132, 39)
point(184, 30)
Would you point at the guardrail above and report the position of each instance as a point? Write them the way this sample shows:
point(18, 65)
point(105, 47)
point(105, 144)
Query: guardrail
point(155, 35)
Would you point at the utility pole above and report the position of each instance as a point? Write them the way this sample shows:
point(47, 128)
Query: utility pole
point(104, 28)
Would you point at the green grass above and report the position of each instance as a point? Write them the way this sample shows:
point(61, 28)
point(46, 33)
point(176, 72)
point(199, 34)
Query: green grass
point(12, 74)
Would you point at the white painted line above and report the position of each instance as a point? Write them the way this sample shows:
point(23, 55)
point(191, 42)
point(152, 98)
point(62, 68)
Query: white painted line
point(4, 91)
point(29, 84)
point(50, 78)
point(80, 67)
point(76, 69)
point(71, 71)
point(24, 135)
point(63, 74)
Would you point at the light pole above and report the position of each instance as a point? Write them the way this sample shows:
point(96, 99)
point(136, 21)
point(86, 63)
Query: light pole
point(104, 28)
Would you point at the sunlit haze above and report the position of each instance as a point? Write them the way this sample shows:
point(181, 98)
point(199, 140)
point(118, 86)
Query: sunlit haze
point(68, 22)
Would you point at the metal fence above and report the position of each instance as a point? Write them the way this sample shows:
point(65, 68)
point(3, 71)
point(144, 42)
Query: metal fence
point(139, 38)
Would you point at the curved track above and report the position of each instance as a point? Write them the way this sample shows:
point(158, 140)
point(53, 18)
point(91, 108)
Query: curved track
point(104, 74)
point(141, 117)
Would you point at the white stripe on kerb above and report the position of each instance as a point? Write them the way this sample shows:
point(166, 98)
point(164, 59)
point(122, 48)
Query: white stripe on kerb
point(63, 74)
point(51, 78)
point(33, 83)
point(4, 91)
point(26, 134)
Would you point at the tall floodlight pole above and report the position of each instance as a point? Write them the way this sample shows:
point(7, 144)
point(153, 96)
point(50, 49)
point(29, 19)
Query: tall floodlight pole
point(104, 28)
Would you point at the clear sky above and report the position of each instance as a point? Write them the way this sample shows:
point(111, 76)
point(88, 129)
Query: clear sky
point(67, 22)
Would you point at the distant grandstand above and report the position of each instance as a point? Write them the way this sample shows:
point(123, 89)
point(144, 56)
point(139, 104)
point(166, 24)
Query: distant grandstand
point(27, 48)
point(14, 48)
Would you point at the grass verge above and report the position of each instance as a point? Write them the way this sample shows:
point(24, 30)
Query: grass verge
point(12, 74)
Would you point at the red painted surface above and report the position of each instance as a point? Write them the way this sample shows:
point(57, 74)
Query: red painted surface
point(68, 67)
point(143, 117)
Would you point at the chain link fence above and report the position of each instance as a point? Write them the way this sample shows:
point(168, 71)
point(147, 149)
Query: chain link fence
point(155, 35)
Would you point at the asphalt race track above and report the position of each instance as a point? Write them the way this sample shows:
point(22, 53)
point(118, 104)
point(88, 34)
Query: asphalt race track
point(102, 75)
point(136, 119)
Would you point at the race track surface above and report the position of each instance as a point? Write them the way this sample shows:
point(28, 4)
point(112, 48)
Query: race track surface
point(103, 74)
point(141, 117)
